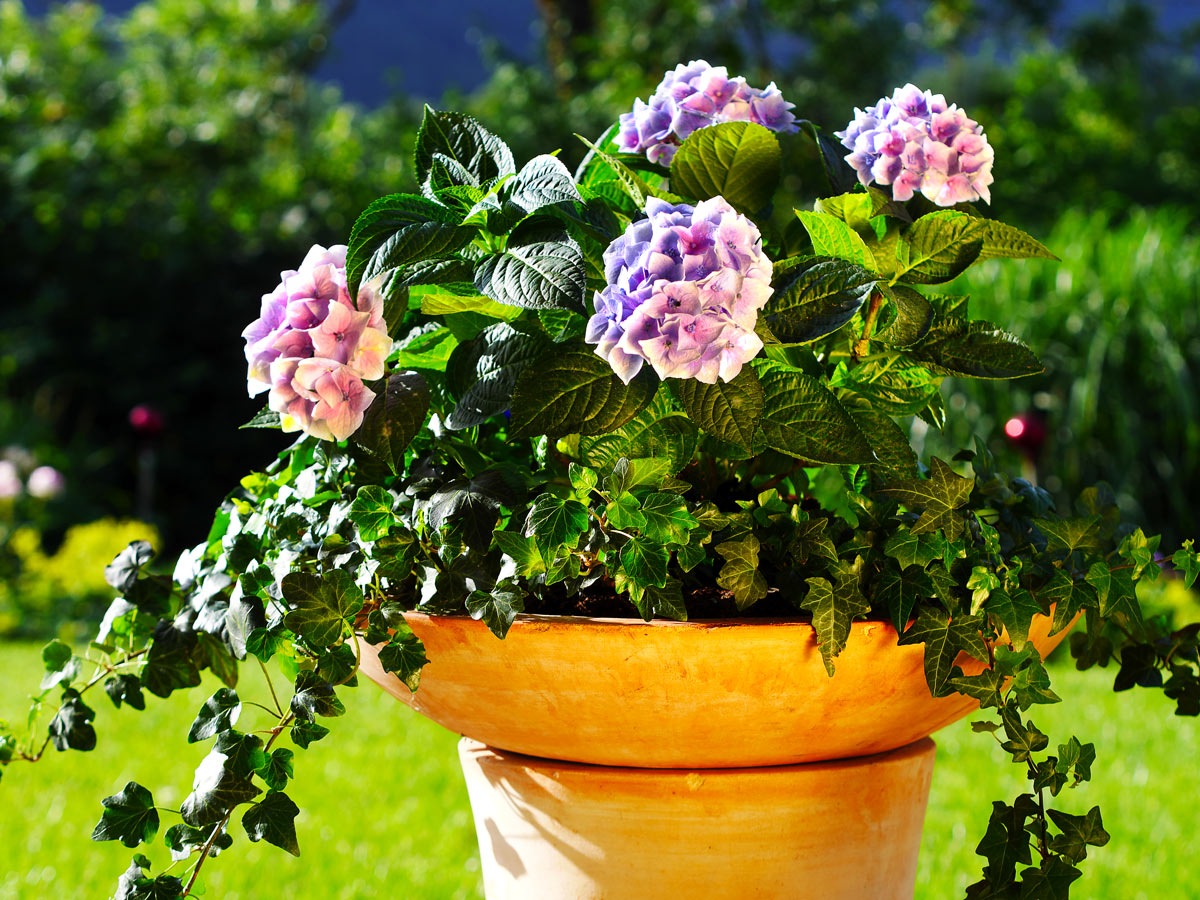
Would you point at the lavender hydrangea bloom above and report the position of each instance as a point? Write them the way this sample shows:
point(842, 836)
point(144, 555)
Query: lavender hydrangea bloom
point(915, 142)
point(312, 347)
point(695, 96)
point(684, 289)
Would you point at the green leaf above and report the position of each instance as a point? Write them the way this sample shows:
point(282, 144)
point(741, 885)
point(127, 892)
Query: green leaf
point(322, 605)
point(630, 183)
point(305, 733)
point(901, 590)
point(1024, 739)
point(816, 297)
point(123, 571)
point(986, 687)
point(740, 574)
point(71, 728)
point(427, 347)
point(1078, 833)
point(940, 496)
point(315, 697)
point(911, 549)
point(1031, 684)
point(1188, 560)
point(660, 432)
point(478, 152)
point(1051, 882)
point(404, 656)
point(264, 418)
point(541, 268)
point(944, 638)
point(219, 712)
point(1071, 534)
point(523, 551)
point(543, 181)
point(125, 688)
point(273, 820)
point(554, 521)
point(276, 769)
point(729, 410)
point(940, 246)
point(1005, 843)
point(215, 791)
point(667, 518)
point(243, 752)
point(833, 608)
point(400, 229)
point(1007, 242)
point(570, 390)
point(914, 317)
point(1014, 611)
point(394, 418)
point(128, 817)
point(833, 237)
point(458, 297)
point(184, 840)
point(888, 441)
point(739, 161)
point(61, 664)
point(169, 664)
point(625, 512)
point(1076, 758)
point(976, 350)
point(498, 609)
point(483, 372)
point(804, 419)
point(371, 512)
point(896, 387)
point(583, 480)
point(645, 561)
point(1069, 596)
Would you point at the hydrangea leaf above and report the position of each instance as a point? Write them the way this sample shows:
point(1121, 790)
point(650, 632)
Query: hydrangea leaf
point(273, 819)
point(940, 246)
point(833, 608)
point(572, 390)
point(976, 350)
point(541, 268)
point(831, 236)
point(219, 712)
point(394, 418)
point(543, 181)
point(660, 432)
point(740, 161)
point(802, 418)
point(483, 372)
point(912, 319)
point(1001, 241)
point(729, 410)
point(128, 817)
point(399, 229)
point(815, 297)
point(475, 150)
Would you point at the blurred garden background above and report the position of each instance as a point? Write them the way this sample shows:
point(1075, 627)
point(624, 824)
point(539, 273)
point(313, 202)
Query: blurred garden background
point(161, 163)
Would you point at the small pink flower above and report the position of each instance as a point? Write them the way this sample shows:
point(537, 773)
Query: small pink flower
point(341, 397)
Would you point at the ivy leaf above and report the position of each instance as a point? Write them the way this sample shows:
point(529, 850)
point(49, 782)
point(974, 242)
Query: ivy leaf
point(740, 161)
point(667, 518)
point(645, 562)
point(985, 687)
point(1052, 881)
point(321, 605)
point(572, 390)
point(123, 571)
point(523, 551)
point(833, 608)
point(1005, 843)
point(539, 268)
point(1077, 758)
point(184, 840)
point(273, 820)
point(740, 573)
point(125, 688)
point(625, 512)
point(305, 733)
point(1024, 739)
point(940, 246)
point(944, 638)
point(816, 297)
point(276, 769)
point(134, 885)
point(1078, 833)
point(61, 664)
point(666, 601)
point(804, 419)
point(554, 521)
point(243, 752)
point(475, 150)
point(315, 697)
point(1031, 684)
point(484, 372)
point(219, 712)
point(169, 664)
point(1069, 597)
point(1188, 560)
point(729, 410)
point(1069, 535)
point(215, 791)
point(833, 237)
point(901, 590)
point(128, 817)
point(940, 496)
point(1014, 610)
point(404, 656)
point(497, 609)
point(909, 549)
point(394, 418)
point(71, 728)
point(371, 512)
point(583, 479)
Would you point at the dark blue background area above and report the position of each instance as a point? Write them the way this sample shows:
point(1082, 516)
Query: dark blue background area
point(425, 47)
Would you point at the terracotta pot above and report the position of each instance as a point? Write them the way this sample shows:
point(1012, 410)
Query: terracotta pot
point(704, 694)
point(845, 830)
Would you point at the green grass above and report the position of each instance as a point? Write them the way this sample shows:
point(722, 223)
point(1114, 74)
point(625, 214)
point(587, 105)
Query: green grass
point(385, 810)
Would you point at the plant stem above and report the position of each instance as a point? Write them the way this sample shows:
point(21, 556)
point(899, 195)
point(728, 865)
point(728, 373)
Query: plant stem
point(863, 346)
point(187, 888)
point(271, 686)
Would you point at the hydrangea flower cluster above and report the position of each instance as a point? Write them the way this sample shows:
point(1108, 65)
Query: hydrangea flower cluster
point(313, 347)
point(684, 289)
point(695, 96)
point(915, 142)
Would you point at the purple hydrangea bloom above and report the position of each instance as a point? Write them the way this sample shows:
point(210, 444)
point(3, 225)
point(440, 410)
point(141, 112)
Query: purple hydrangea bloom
point(684, 289)
point(695, 96)
point(915, 142)
point(312, 347)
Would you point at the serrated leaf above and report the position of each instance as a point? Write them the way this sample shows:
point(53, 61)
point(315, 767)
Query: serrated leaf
point(273, 820)
point(394, 418)
point(1001, 241)
point(740, 161)
point(219, 712)
point(484, 372)
point(478, 152)
point(976, 350)
point(940, 246)
point(543, 181)
point(816, 297)
point(128, 817)
point(541, 269)
point(944, 638)
point(572, 390)
point(889, 442)
point(497, 609)
point(264, 418)
point(740, 573)
point(458, 297)
point(399, 229)
point(897, 388)
point(833, 237)
point(833, 608)
point(804, 419)
point(729, 410)
point(914, 316)
point(321, 605)
point(371, 512)
point(660, 432)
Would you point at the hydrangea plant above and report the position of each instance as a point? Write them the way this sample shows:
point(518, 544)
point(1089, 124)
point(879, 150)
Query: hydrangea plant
point(643, 391)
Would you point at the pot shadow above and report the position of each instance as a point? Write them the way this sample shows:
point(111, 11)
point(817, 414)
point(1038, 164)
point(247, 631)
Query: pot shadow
point(502, 851)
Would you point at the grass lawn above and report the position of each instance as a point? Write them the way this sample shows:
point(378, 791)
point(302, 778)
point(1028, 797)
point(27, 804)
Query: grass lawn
point(385, 811)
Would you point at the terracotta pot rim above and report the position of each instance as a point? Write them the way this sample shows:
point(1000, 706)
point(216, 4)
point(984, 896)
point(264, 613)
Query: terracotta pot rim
point(616, 622)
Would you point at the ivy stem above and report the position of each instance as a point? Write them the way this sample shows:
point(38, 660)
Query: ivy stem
point(204, 851)
point(271, 686)
point(863, 346)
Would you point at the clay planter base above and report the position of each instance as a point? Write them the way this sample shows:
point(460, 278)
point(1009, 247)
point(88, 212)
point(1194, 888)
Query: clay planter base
point(840, 830)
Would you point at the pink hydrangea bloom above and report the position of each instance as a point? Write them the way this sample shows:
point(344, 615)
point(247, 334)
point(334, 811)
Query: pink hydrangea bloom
point(915, 142)
point(695, 96)
point(685, 286)
point(312, 347)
